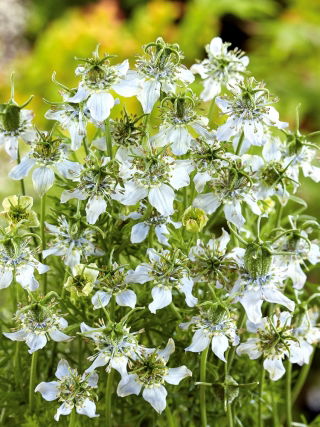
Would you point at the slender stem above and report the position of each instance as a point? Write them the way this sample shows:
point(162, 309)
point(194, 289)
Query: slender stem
point(17, 366)
point(275, 415)
point(203, 369)
point(33, 374)
point(261, 384)
point(301, 379)
point(23, 189)
point(86, 149)
point(230, 415)
point(240, 142)
point(288, 394)
point(43, 236)
point(73, 419)
point(232, 352)
point(108, 139)
point(227, 403)
point(170, 418)
point(210, 112)
point(108, 399)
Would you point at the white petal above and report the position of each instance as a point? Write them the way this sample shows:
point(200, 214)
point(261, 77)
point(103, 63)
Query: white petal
point(80, 96)
point(207, 202)
point(22, 169)
point(180, 174)
point(139, 232)
point(64, 409)
point(162, 232)
point(215, 46)
point(72, 194)
point(6, 277)
point(200, 341)
point(126, 298)
point(120, 365)
point(49, 391)
point(101, 360)
point(156, 396)
point(96, 206)
point(87, 408)
point(69, 170)
point(175, 375)
point(133, 193)
point(91, 379)
point(251, 348)
point(168, 350)
point(162, 297)
point(100, 104)
point(43, 179)
point(149, 94)
point(187, 290)
point(140, 275)
point(219, 346)
point(131, 85)
point(16, 336)
point(233, 213)
point(35, 342)
point(275, 368)
point(211, 88)
point(100, 299)
point(162, 199)
point(180, 139)
point(128, 385)
point(58, 336)
point(275, 296)
point(63, 369)
point(252, 302)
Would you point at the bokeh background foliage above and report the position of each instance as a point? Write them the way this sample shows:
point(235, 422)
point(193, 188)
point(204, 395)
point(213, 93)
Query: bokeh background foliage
point(282, 37)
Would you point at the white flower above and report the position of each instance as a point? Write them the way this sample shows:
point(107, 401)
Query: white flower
point(274, 341)
point(222, 68)
point(249, 112)
point(9, 136)
point(115, 345)
point(167, 271)
point(307, 334)
point(98, 79)
point(70, 243)
point(151, 374)
point(99, 182)
point(159, 71)
point(150, 222)
point(72, 389)
point(252, 289)
point(231, 186)
point(113, 283)
point(155, 176)
point(179, 121)
point(37, 324)
point(215, 325)
point(211, 262)
point(302, 159)
point(48, 156)
point(18, 262)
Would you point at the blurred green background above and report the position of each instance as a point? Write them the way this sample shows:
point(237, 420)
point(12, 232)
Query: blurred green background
point(282, 38)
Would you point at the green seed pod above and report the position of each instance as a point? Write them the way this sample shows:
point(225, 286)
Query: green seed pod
point(257, 260)
point(11, 117)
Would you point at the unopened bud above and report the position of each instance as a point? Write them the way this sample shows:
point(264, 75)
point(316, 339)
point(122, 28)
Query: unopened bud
point(194, 219)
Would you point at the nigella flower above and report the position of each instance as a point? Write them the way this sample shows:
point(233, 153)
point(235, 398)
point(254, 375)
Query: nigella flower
point(308, 334)
point(113, 282)
point(270, 171)
point(149, 372)
point(115, 345)
point(17, 210)
point(72, 389)
point(149, 222)
point(167, 271)
point(216, 326)
point(156, 176)
point(82, 280)
point(17, 262)
point(222, 68)
point(261, 280)
point(98, 79)
point(230, 186)
point(159, 71)
point(71, 243)
point(48, 155)
point(212, 263)
point(38, 322)
point(274, 341)
point(303, 161)
point(250, 112)
point(179, 120)
point(99, 182)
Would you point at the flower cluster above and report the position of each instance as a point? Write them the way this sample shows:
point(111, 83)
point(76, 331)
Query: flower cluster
point(166, 224)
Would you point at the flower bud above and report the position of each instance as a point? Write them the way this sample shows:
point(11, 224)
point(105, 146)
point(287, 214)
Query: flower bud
point(194, 219)
point(257, 260)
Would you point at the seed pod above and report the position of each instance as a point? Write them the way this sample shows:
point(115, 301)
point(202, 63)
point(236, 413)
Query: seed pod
point(257, 260)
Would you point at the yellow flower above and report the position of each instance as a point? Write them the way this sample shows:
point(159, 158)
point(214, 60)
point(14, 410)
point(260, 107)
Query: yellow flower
point(82, 280)
point(18, 211)
point(194, 219)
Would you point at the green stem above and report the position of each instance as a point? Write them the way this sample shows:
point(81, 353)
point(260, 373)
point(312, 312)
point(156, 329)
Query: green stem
point(43, 236)
point(16, 365)
point(229, 415)
point(232, 352)
point(210, 112)
point(261, 384)
point(108, 139)
point(23, 189)
point(33, 373)
point(301, 379)
point(275, 415)
point(227, 404)
point(203, 369)
point(240, 142)
point(108, 399)
point(288, 394)
point(86, 149)
point(170, 418)
point(73, 419)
